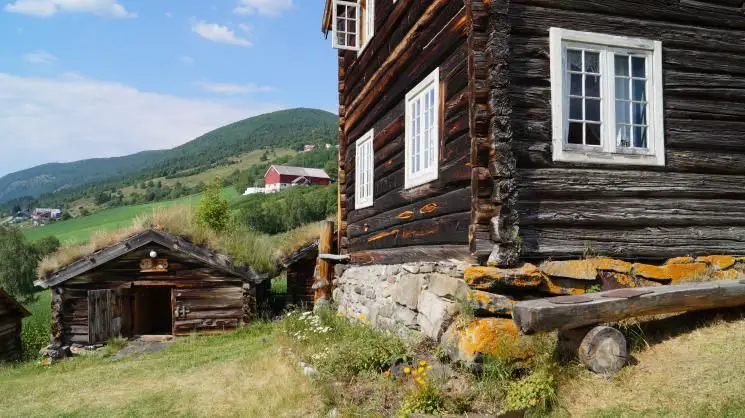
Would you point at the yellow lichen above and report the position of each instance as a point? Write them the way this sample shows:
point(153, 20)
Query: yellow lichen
point(719, 262)
point(496, 336)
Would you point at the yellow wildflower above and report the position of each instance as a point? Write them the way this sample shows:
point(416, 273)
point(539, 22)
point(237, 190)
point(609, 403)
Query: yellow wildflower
point(424, 374)
point(420, 380)
point(429, 367)
point(414, 373)
point(420, 370)
point(422, 363)
point(407, 370)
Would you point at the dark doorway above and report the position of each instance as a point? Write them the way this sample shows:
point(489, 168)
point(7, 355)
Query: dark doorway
point(152, 311)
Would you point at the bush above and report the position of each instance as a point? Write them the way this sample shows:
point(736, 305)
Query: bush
point(18, 262)
point(425, 400)
point(537, 391)
point(280, 212)
point(213, 211)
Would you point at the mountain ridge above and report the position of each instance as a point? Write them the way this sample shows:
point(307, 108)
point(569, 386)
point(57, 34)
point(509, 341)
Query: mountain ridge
point(289, 128)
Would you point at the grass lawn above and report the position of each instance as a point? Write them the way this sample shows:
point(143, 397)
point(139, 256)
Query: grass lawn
point(80, 229)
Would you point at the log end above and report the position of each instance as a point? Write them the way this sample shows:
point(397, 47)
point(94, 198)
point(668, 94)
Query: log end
point(604, 350)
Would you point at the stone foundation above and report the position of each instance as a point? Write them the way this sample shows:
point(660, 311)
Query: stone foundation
point(426, 298)
point(405, 299)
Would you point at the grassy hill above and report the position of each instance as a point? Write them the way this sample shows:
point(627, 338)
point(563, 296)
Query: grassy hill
point(72, 181)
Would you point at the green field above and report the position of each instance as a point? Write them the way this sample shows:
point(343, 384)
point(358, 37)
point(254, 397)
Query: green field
point(80, 229)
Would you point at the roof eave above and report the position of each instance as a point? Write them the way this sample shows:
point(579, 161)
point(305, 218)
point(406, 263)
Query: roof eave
point(327, 16)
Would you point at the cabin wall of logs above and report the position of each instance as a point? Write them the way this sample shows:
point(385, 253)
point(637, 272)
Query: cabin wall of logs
point(120, 299)
point(500, 198)
point(11, 316)
point(412, 39)
point(689, 206)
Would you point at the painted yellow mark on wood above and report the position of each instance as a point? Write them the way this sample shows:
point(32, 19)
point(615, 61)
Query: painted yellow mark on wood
point(382, 235)
point(429, 208)
point(423, 233)
point(406, 214)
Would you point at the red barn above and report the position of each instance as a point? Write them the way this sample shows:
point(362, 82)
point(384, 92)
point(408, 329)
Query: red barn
point(279, 177)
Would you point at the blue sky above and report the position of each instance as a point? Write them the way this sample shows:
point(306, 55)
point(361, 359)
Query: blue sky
point(100, 78)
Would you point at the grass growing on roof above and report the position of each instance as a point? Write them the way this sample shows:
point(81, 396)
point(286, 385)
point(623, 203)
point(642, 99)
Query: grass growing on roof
point(245, 246)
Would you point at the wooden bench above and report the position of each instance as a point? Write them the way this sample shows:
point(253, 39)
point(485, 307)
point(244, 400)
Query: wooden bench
point(601, 348)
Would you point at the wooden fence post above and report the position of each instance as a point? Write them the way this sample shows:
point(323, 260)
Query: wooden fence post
point(324, 270)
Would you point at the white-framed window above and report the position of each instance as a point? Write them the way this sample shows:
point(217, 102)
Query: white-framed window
point(606, 99)
point(364, 169)
point(422, 131)
point(347, 23)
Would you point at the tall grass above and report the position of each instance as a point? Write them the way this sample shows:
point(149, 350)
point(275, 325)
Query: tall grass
point(37, 327)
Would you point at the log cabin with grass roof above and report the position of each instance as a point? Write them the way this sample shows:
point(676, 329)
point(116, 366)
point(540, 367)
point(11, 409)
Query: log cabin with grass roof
point(150, 283)
point(553, 147)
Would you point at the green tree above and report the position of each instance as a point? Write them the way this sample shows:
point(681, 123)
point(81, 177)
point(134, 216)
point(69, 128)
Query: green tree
point(46, 246)
point(18, 262)
point(213, 211)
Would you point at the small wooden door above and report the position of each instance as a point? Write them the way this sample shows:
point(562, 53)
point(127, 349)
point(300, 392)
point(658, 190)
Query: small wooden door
point(105, 315)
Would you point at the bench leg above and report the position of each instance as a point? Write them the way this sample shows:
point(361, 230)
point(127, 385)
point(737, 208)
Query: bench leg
point(601, 349)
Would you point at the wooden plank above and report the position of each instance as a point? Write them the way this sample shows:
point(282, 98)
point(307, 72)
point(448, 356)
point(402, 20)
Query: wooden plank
point(447, 229)
point(324, 269)
point(542, 315)
point(425, 253)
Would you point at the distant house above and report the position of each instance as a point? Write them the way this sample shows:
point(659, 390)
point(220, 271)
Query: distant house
point(309, 148)
point(11, 314)
point(279, 177)
point(41, 214)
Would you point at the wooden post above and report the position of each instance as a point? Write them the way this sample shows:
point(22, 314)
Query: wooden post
point(324, 269)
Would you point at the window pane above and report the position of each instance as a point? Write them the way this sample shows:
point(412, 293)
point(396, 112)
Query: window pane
point(592, 110)
point(341, 25)
point(639, 113)
point(592, 86)
point(640, 137)
point(638, 66)
point(592, 133)
point(640, 90)
point(623, 136)
point(623, 113)
point(592, 62)
point(575, 133)
point(622, 65)
point(575, 109)
point(575, 84)
point(575, 60)
point(351, 39)
point(622, 89)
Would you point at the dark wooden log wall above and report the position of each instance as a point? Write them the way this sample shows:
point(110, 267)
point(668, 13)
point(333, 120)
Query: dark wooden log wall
point(10, 337)
point(412, 39)
point(212, 300)
point(690, 206)
point(300, 282)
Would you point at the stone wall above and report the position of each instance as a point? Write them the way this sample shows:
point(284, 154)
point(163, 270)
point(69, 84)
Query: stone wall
point(405, 299)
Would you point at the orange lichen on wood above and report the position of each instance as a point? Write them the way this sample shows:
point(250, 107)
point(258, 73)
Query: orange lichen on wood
point(490, 303)
point(674, 273)
point(584, 269)
point(728, 275)
point(562, 287)
point(680, 260)
point(383, 235)
point(719, 262)
point(492, 336)
point(429, 208)
point(487, 278)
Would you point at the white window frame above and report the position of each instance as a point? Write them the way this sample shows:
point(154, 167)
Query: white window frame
point(334, 22)
point(369, 13)
point(607, 152)
point(364, 191)
point(412, 179)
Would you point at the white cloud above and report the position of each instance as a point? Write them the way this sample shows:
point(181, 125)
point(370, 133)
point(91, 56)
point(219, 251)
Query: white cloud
point(72, 117)
point(233, 88)
point(46, 8)
point(219, 33)
point(271, 8)
point(40, 57)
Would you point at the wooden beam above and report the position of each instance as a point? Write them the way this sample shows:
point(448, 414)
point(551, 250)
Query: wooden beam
point(324, 270)
point(543, 315)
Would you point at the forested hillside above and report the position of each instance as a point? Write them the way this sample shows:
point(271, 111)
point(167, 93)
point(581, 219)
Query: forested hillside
point(67, 182)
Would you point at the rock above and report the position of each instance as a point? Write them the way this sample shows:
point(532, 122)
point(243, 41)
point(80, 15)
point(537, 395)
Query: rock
point(370, 294)
point(334, 413)
point(493, 278)
point(411, 268)
point(435, 314)
point(488, 336)
point(680, 260)
point(426, 268)
point(718, 262)
point(406, 317)
point(728, 275)
point(309, 371)
point(673, 273)
point(448, 287)
point(584, 269)
point(406, 291)
point(490, 304)
point(358, 290)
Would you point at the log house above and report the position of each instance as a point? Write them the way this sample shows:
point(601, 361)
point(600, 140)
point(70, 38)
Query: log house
point(11, 316)
point(507, 130)
point(152, 283)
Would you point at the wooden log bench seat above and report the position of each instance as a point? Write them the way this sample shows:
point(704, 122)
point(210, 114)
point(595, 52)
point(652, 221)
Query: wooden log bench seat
point(602, 348)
